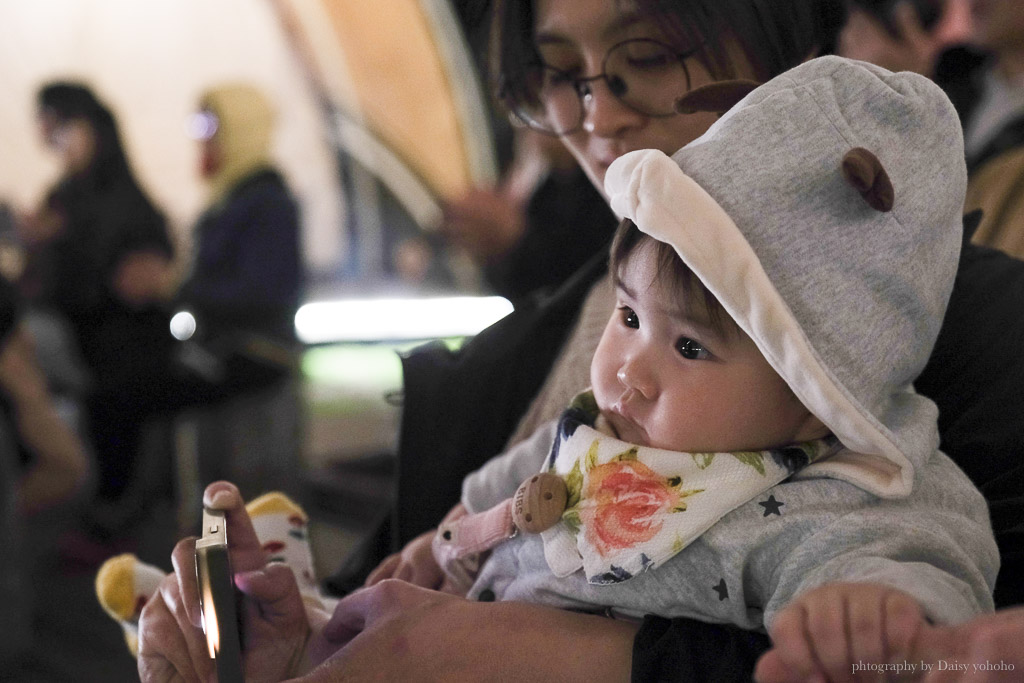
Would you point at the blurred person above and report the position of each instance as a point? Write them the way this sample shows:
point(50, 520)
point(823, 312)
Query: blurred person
point(525, 232)
point(987, 85)
point(239, 295)
point(244, 286)
point(903, 35)
point(98, 259)
point(974, 49)
point(43, 466)
point(246, 273)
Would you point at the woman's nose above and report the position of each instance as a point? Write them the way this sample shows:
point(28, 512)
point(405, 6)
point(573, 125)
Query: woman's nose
point(636, 375)
point(604, 114)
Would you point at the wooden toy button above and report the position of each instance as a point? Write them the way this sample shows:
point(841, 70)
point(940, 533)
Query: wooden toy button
point(539, 503)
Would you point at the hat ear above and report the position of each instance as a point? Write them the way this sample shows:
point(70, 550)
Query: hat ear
point(718, 97)
point(865, 173)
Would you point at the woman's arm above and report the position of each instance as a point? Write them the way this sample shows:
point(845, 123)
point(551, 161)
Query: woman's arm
point(397, 631)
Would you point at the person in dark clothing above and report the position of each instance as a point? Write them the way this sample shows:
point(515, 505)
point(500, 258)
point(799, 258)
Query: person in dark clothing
point(246, 274)
point(98, 256)
point(241, 289)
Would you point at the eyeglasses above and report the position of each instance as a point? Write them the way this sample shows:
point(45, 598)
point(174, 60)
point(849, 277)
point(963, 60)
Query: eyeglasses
point(645, 75)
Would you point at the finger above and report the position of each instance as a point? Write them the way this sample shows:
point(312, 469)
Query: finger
point(903, 622)
point(245, 547)
point(427, 576)
point(163, 652)
point(195, 638)
point(404, 572)
point(183, 557)
point(384, 570)
point(866, 625)
point(349, 616)
point(275, 592)
point(363, 608)
point(791, 642)
point(772, 668)
point(190, 649)
point(909, 28)
point(827, 621)
point(997, 642)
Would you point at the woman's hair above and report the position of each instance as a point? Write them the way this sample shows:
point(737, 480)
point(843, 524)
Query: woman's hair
point(69, 101)
point(775, 35)
point(628, 239)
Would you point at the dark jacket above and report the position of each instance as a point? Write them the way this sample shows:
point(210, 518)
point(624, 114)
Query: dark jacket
point(460, 408)
point(247, 272)
point(104, 218)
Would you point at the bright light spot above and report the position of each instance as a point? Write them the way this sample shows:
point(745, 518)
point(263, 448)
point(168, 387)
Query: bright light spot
point(210, 627)
point(397, 319)
point(183, 325)
point(201, 125)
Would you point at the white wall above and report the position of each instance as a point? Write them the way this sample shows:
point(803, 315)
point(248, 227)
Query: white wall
point(149, 60)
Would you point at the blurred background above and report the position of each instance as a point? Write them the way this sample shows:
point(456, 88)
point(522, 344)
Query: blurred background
point(380, 116)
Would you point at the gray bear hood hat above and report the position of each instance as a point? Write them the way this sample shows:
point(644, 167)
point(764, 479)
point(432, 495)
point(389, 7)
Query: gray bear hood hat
point(840, 276)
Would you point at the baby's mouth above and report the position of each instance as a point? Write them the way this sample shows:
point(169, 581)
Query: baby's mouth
point(626, 429)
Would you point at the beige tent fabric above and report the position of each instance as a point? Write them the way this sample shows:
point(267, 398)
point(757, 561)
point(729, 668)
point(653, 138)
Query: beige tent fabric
point(400, 68)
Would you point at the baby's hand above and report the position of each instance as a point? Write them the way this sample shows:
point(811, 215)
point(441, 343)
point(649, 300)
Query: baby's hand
point(824, 633)
point(414, 564)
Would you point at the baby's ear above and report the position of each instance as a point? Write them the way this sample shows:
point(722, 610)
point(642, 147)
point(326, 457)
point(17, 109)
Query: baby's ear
point(718, 97)
point(865, 173)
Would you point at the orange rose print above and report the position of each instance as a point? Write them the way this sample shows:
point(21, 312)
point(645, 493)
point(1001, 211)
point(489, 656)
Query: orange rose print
point(622, 504)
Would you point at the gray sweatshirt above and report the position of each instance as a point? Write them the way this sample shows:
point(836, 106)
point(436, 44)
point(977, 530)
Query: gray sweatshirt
point(841, 277)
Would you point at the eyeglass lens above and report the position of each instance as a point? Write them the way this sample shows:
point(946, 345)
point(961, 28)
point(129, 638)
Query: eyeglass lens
point(645, 75)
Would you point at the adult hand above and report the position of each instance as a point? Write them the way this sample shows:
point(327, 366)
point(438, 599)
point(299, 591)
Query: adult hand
point(279, 640)
point(395, 631)
point(38, 227)
point(911, 49)
point(486, 223)
point(143, 277)
point(414, 564)
point(827, 632)
point(985, 649)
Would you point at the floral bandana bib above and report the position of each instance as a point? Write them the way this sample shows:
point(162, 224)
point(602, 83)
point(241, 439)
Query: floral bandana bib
point(631, 508)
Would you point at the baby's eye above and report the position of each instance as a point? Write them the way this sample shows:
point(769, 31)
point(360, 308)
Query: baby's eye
point(629, 317)
point(691, 349)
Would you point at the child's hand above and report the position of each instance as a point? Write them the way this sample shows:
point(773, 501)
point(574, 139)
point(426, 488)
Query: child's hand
point(822, 634)
point(414, 564)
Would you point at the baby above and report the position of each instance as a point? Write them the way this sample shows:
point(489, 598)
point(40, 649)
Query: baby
point(752, 431)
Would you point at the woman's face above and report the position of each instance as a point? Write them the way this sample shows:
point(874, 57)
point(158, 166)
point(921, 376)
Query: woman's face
point(575, 35)
point(74, 141)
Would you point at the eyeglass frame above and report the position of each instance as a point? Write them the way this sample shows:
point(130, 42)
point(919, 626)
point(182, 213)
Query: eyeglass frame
point(583, 90)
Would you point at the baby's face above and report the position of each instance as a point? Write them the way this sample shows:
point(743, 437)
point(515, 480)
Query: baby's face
point(665, 378)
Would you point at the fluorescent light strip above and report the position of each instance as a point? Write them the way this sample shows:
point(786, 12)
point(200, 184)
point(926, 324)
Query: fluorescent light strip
point(365, 320)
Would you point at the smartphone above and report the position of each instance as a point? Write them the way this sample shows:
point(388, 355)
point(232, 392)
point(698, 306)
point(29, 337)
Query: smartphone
point(218, 598)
